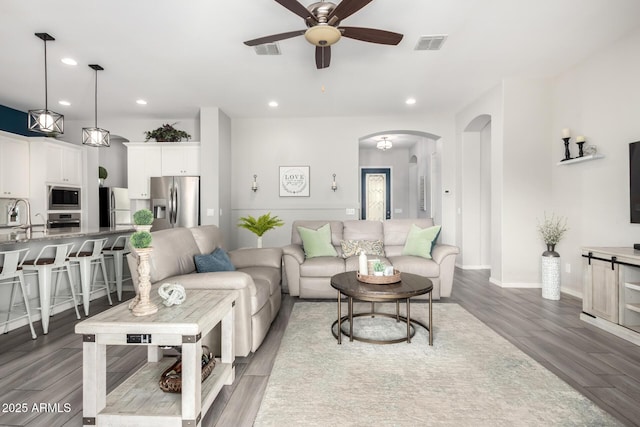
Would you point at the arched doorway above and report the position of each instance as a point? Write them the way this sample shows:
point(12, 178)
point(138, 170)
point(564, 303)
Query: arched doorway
point(414, 173)
point(475, 209)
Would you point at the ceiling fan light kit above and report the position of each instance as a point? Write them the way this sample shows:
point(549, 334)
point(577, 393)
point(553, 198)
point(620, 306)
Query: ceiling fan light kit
point(323, 22)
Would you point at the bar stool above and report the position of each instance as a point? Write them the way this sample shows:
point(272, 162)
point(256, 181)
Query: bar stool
point(88, 256)
point(12, 269)
point(117, 251)
point(45, 267)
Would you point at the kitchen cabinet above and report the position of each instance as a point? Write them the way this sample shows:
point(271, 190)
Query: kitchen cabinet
point(181, 159)
point(611, 290)
point(64, 163)
point(143, 162)
point(14, 168)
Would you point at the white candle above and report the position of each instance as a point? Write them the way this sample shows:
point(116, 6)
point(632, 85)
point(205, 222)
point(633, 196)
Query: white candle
point(566, 133)
point(579, 138)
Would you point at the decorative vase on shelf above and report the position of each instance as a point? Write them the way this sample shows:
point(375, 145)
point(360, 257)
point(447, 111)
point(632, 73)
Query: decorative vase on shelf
point(551, 273)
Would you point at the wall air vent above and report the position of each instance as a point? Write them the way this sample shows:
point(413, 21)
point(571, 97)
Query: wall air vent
point(267, 49)
point(430, 42)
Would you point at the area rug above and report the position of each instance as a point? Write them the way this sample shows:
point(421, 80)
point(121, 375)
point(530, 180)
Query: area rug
point(471, 376)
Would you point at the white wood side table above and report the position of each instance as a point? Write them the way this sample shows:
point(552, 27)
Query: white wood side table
point(138, 401)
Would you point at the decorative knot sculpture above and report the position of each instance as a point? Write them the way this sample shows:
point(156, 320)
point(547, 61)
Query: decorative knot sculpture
point(172, 294)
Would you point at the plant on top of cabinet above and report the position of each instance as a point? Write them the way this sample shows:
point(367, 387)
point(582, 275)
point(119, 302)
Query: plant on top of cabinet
point(167, 133)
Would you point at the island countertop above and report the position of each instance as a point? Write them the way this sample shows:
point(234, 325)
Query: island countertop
point(13, 236)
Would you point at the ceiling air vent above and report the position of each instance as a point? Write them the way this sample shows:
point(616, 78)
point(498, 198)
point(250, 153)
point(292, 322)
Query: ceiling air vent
point(267, 49)
point(430, 42)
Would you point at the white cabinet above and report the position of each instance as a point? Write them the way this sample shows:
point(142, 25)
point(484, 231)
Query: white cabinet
point(64, 163)
point(143, 162)
point(611, 290)
point(182, 159)
point(14, 168)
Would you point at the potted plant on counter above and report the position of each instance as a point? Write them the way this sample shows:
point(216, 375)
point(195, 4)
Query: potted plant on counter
point(261, 225)
point(167, 133)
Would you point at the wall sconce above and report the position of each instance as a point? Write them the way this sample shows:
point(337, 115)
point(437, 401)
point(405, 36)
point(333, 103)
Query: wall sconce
point(254, 184)
point(334, 185)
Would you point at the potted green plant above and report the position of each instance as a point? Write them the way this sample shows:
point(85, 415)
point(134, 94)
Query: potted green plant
point(143, 217)
point(378, 268)
point(102, 175)
point(167, 133)
point(141, 239)
point(261, 225)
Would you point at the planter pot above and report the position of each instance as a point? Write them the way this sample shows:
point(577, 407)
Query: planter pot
point(259, 242)
point(550, 273)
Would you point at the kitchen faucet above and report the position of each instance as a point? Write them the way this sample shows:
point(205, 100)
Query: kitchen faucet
point(44, 223)
point(12, 208)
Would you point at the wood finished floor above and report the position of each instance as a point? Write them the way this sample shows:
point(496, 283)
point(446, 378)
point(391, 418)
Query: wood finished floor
point(599, 365)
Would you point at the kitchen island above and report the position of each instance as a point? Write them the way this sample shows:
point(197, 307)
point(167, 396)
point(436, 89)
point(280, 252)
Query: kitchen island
point(35, 239)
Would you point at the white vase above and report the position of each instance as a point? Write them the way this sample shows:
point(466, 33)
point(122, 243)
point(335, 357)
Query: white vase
point(259, 242)
point(141, 305)
point(551, 274)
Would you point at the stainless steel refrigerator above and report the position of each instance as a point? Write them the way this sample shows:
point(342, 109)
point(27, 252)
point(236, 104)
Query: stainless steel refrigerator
point(115, 208)
point(175, 201)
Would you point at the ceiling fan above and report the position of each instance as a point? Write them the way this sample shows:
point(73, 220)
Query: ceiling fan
point(323, 20)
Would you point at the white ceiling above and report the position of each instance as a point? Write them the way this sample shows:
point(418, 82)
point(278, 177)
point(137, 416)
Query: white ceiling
point(183, 54)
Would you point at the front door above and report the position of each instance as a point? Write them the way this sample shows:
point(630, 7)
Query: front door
point(375, 184)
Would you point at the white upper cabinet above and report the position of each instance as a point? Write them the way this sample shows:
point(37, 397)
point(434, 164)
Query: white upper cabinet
point(14, 168)
point(181, 159)
point(143, 162)
point(64, 163)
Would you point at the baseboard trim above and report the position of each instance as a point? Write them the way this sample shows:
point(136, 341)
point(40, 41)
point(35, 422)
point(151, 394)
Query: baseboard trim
point(473, 267)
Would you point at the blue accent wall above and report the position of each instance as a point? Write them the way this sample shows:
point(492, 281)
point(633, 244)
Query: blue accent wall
point(15, 121)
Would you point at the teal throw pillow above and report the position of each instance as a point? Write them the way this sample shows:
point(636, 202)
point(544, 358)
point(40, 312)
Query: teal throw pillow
point(217, 260)
point(420, 241)
point(317, 242)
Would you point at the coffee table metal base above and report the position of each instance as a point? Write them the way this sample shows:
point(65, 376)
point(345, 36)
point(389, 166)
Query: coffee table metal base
point(339, 331)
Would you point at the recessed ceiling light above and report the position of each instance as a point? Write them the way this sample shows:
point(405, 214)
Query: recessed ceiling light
point(141, 102)
point(410, 101)
point(65, 103)
point(69, 61)
point(273, 104)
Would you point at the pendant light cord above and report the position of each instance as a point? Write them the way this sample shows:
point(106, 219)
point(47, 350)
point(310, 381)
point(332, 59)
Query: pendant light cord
point(96, 102)
point(46, 98)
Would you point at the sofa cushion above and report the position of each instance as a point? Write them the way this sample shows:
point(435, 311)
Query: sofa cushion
point(416, 265)
point(207, 237)
point(353, 247)
point(317, 243)
point(420, 241)
point(173, 252)
point(322, 267)
point(269, 275)
point(218, 260)
point(363, 230)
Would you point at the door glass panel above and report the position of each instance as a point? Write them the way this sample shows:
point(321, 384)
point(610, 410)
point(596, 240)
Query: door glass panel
point(376, 197)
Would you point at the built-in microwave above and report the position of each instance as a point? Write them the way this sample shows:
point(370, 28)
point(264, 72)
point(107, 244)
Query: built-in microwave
point(64, 198)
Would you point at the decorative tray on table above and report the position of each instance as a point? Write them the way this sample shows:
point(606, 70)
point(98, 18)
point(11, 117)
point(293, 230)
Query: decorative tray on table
point(379, 280)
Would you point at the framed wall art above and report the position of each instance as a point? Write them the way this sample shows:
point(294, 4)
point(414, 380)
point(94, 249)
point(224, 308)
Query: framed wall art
point(294, 181)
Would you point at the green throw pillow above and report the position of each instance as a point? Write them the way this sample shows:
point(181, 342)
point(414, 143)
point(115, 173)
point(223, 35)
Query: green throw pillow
point(420, 241)
point(317, 242)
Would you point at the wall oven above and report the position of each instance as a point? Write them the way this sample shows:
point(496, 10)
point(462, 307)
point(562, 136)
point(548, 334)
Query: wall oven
point(64, 198)
point(63, 220)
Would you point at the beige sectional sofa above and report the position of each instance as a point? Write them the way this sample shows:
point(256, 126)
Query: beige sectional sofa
point(258, 277)
point(311, 278)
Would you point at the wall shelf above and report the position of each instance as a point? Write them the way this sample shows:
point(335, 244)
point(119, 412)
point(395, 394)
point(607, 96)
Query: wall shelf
point(581, 159)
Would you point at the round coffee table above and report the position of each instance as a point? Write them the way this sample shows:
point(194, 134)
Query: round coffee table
point(410, 285)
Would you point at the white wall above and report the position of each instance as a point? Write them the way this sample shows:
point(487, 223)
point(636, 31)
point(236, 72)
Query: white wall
point(598, 99)
point(327, 145)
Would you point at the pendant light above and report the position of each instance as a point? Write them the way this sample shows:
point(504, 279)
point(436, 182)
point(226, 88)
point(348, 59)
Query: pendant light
point(384, 144)
point(95, 136)
point(46, 121)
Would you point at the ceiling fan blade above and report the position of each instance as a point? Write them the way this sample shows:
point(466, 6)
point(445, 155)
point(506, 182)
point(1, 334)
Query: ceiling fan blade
point(345, 9)
point(274, 38)
point(371, 35)
point(298, 9)
point(323, 57)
